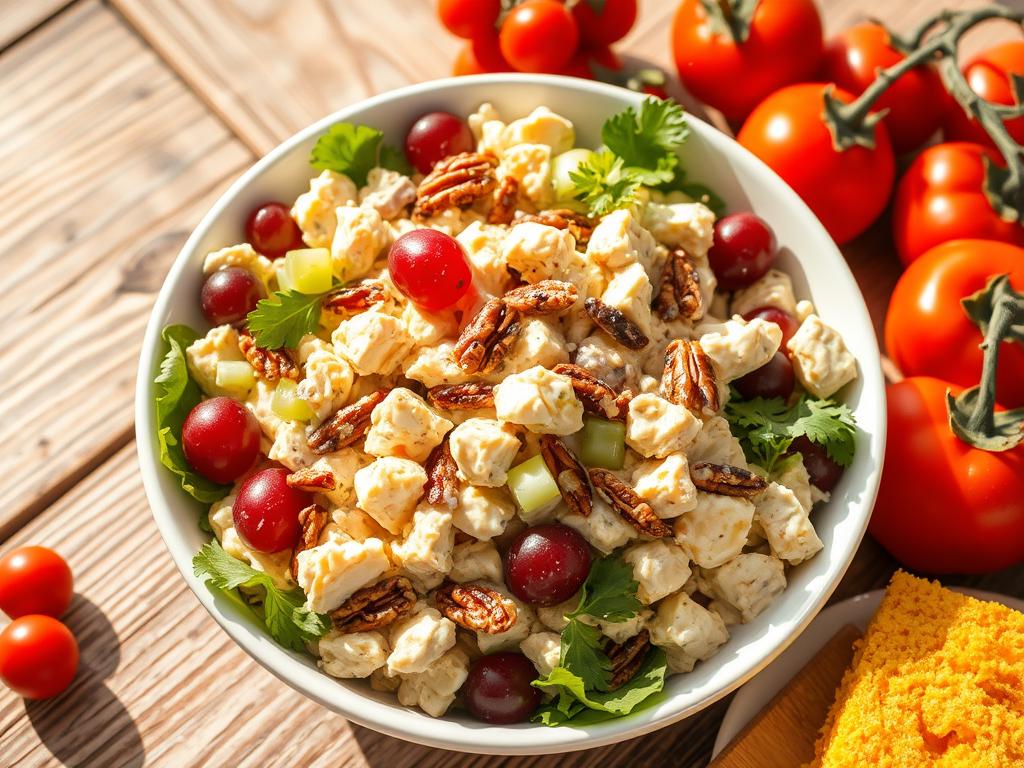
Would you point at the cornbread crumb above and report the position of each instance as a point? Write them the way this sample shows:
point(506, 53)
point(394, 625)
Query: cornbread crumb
point(937, 680)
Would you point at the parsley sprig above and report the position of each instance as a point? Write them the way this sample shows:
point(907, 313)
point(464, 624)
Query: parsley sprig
point(286, 617)
point(283, 320)
point(355, 150)
point(767, 428)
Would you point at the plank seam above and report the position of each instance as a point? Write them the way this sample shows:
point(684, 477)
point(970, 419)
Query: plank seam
point(37, 26)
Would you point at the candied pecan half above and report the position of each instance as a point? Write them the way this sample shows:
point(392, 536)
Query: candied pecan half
point(569, 474)
point(375, 606)
point(579, 226)
point(476, 607)
point(628, 503)
point(312, 479)
point(312, 519)
point(616, 324)
point(689, 377)
point(470, 396)
point(505, 198)
point(442, 487)
point(488, 338)
point(596, 396)
point(679, 291)
point(622, 403)
point(269, 364)
point(726, 480)
point(627, 657)
point(346, 426)
point(355, 298)
point(542, 297)
point(456, 182)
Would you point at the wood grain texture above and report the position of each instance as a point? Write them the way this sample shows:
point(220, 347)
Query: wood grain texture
point(20, 17)
point(106, 163)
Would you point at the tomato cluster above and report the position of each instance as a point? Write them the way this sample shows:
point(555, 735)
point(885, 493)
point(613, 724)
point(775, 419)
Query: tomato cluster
point(551, 36)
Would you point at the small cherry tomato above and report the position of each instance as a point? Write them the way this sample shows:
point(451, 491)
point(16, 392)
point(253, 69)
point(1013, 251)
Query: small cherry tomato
point(988, 74)
point(488, 55)
point(38, 657)
point(604, 27)
point(430, 268)
point(846, 190)
point(468, 18)
point(466, 63)
point(914, 102)
point(34, 580)
point(271, 230)
point(941, 197)
point(539, 36)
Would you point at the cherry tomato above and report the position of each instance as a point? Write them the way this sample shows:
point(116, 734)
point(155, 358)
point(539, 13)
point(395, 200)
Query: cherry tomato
point(941, 197)
point(743, 250)
point(430, 268)
point(271, 230)
point(266, 511)
point(488, 55)
point(584, 60)
point(927, 332)
point(612, 23)
point(466, 63)
point(943, 506)
point(988, 74)
point(915, 101)
point(435, 136)
point(229, 294)
point(847, 190)
point(38, 657)
point(784, 46)
point(498, 688)
point(468, 18)
point(34, 580)
point(539, 36)
point(221, 439)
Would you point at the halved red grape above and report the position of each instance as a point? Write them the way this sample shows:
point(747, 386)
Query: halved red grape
point(266, 511)
point(743, 250)
point(773, 379)
point(221, 439)
point(434, 137)
point(824, 472)
point(271, 230)
point(547, 564)
point(498, 688)
point(229, 294)
point(430, 268)
point(780, 317)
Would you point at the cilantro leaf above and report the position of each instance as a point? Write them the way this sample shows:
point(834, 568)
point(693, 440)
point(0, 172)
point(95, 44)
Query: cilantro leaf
point(582, 653)
point(285, 319)
point(355, 150)
point(647, 141)
point(176, 394)
point(605, 184)
point(609, 592)
point(290, 623)
point(830, 425)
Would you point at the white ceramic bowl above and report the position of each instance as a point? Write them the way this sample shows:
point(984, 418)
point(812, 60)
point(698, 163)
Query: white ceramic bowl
point(808, 254)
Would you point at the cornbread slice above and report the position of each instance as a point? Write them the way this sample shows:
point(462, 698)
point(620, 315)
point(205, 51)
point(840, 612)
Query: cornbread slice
point(938, 680)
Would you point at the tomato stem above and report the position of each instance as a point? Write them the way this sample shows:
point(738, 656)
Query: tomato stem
point(731, 17)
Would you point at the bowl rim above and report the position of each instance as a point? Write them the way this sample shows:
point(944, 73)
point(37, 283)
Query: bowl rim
point(412, 725)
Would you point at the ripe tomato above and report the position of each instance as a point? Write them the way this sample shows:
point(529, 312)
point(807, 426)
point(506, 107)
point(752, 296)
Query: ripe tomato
point(927, 332)
point(34, 580)
point(943, 506)
point(941, 197)
point(487, 52)
point(988, 75)
point(38, 657)
point(539, 36)
point(784, 46)
point(466, 63)
point(469, 18)
point(612, 23)
point(846, 190)
point(915, 101)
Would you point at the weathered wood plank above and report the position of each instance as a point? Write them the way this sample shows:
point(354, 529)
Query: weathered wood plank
point(106, 162)
point(18, 17)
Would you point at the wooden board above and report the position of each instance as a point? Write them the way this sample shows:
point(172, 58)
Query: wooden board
point(20, 17)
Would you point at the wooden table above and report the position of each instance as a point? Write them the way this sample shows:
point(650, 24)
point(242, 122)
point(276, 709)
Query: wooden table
point(122, 121)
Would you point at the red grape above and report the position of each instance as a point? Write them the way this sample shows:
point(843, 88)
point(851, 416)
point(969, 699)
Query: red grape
point(547, 564)
point(773, 379)
point(824, 472)
point(271, 230)
point(498, 688)
point(266, 511)
point(430, 268)
point(221, 439)
point(786, 322)
point(229, 294)
point(744, 249)
point(434, 137)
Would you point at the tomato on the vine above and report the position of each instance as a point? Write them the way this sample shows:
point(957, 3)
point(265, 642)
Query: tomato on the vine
point(539, 36)
point(783, 46)
point(469, 18)
point(847, 189)
point(988, 74)
point(915, 100)
point(466, 63)
point(603, 27)
point(927, 332)
point(487, 53)
point(941, 197)
point(38, 657)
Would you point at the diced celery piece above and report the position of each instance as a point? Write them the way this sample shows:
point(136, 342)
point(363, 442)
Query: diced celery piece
point(288, 405)
point(236, 376)
point(532, 485)
point(309, 270)
point(284, 281)
point(603, 443)
point(561, 166)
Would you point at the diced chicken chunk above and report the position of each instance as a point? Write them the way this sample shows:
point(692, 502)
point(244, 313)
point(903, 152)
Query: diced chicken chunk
point(542, 401)
point(388, 490)
point(331, 572)
point(358, 654)
point(749, 583)
point(483, 513)
point(716, 531)
point(314, 211)
point(655, 427)
point(404, 425)
point(821, 361)
point(789, 531)
point(544, 650)
point(688, 632)
point(483, 450)
point(666, 485)
point(419, 639)
point(660, 568)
